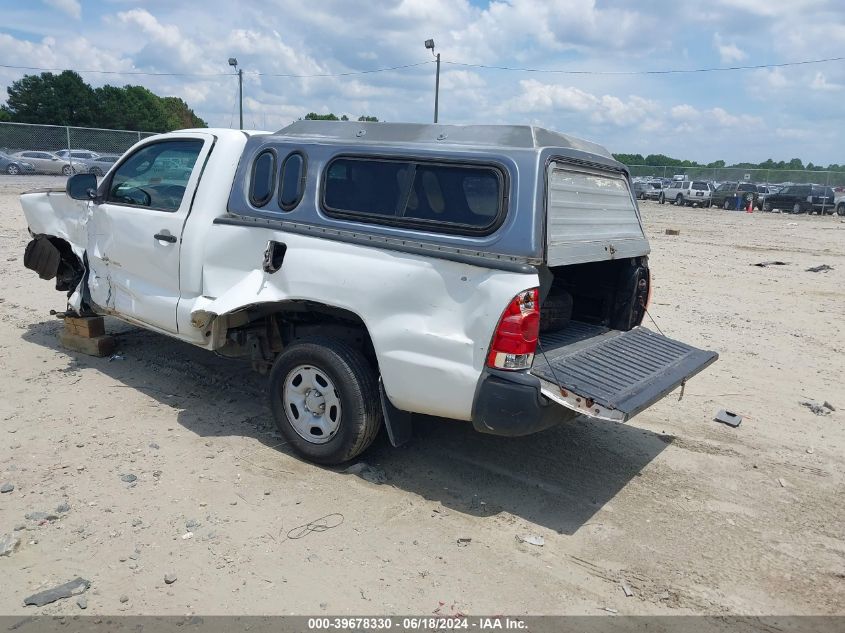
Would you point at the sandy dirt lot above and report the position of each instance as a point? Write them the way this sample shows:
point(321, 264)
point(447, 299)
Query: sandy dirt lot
point(693, 516)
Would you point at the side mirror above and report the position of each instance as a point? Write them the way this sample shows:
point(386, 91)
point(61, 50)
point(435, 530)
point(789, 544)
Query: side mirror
point(82, 187)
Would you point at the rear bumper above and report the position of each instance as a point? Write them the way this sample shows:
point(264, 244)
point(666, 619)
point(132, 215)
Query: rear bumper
point(510, 404)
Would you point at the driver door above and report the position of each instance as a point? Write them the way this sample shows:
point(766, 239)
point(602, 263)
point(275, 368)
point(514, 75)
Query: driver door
point(135, 229)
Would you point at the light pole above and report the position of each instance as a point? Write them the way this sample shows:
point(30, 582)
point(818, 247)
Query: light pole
point(430, 44)
point(234, 64)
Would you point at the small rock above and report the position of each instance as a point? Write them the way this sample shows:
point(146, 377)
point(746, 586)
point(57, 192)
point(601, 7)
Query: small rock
point(128, 478)
point(233, 503)
point(815, 407)
point(7, 487)
point(41, 516)
point(367, 472)
point(531, 539)
point(827, 405)
point(627, 589)
point(20, 526)
point(154, 445)
point(266, 493)
point(8, 544)
point(810, 451)
point(82, 602)
point(193, 523)
point(187, 535)
point(136, 522)
point(73, 588)
point(169, 579)
point(133, 556)
point(63, 507)
point(124, 598)
point(463, 542)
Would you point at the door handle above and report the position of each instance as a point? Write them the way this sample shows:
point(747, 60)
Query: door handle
point(165, 238)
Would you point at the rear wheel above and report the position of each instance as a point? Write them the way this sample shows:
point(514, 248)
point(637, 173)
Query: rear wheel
point(679, 200)
point(67, 170)
point(767, 207)
point(840, 208)
point(325, 400)
point(13, 170)
point(662, 199)
point(796, 208)
point(727, 205)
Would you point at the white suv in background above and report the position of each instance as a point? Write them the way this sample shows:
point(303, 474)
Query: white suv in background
point(687, 193)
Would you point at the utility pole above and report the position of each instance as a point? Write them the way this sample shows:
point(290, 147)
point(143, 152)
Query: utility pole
point(234, 63)
point(430, 44)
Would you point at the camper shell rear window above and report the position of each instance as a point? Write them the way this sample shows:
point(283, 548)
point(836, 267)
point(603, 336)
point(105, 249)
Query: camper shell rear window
point(448, 197)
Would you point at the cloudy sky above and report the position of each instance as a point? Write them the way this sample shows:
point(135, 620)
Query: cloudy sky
point(745, 115)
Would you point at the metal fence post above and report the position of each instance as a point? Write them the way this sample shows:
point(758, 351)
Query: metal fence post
point(139, 135)
point(67, 131)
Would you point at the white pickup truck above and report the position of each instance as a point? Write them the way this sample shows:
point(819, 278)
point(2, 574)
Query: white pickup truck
point(492, 274)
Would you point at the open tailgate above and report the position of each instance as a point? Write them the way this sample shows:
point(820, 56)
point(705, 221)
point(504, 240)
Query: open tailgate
point(610, 374)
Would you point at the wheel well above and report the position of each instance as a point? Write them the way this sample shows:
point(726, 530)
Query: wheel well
point(262, 331)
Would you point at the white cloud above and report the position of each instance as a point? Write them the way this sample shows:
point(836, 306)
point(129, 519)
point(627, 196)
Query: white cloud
point(540, 97)
point(820, 82)
point(728, 51)
point(71, 7)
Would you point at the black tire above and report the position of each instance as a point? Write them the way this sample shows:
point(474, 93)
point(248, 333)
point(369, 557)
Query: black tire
point(356, 385)
point(767, 207)
point(67, 170)
point(12, 169)
point(796, 208)
point(727, 205)
point(662, 199)
point(679, 200)
point(840, 208)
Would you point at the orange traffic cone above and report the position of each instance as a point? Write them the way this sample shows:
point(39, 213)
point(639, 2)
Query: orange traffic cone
point(750, 208)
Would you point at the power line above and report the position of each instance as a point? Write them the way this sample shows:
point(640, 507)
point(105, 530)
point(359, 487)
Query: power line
point(260, 74)
point(672, 71)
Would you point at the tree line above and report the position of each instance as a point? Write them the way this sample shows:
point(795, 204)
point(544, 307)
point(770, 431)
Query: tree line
point(660, 160)
point(65, 99)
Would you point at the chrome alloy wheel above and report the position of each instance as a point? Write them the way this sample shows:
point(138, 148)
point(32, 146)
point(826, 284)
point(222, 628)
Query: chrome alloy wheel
point(312, 404)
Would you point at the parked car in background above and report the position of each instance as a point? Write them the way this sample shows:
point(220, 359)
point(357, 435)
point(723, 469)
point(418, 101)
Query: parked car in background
point(764, 191)
point(14, 166)
point(50, 163)
point(687, 193)
point(84, 156)
point(646, 191)
point(102, 164)
point(802, 199)
point(733, 195)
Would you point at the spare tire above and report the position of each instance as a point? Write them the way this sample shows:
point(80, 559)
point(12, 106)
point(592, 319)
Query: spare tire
point(556, 311)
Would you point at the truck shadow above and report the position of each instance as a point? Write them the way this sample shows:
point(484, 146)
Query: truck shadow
point(557, 479)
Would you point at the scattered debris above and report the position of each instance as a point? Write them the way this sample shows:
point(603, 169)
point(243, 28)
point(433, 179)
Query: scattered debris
point(815, 407)
point(771, 263)
point(41, 516)
point(827, 405)
point(673, 232)
point(531, 539)
point(8, 544)
point(169, 579)
point(73, 588)
point(463, 542)
point(116, 357)
point(627, 589)
point(728, 417)
point(810, 451)
point(20, 526)
point(187, 535)
point(154, 445)
point(7, 487)
point(823, 268)
point(128, 478)
point(82, 602)
point(782, 482)
point(327, 522)
point(124, 598)
point(191, 524)
point(136, 522)
point(63, 507)
point(609, 610)
point(367, 472)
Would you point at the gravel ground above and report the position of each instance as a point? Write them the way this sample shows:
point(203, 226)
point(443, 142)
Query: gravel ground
point(165, 486)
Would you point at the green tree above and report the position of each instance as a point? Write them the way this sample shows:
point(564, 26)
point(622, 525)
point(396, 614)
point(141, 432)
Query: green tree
point(63, 99)
point(368, 119)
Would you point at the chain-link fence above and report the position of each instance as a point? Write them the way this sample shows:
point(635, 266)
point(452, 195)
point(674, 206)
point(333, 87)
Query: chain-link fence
point(740, 174)
point(62, 150)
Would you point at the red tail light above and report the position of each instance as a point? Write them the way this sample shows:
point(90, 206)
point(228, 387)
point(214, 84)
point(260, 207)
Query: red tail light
point(515, 339)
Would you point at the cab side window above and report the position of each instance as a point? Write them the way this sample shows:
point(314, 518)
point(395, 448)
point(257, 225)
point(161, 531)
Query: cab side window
point(156, 176)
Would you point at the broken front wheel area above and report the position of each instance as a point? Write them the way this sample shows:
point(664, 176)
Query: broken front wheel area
point(325, 399)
